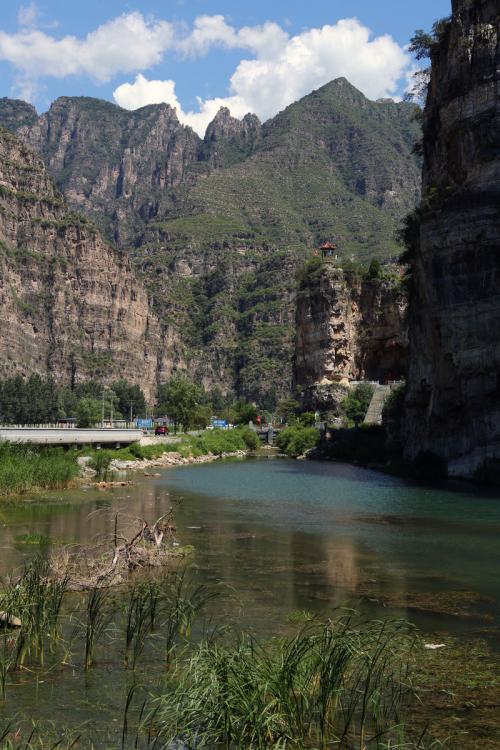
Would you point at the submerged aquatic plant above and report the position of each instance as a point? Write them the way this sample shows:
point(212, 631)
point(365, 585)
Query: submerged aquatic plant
point(338, 684)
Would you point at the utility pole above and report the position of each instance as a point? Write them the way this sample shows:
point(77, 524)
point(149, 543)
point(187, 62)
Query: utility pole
point(102, 408)
point(131, 403)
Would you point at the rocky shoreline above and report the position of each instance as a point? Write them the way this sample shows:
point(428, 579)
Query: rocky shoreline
point(171, 460)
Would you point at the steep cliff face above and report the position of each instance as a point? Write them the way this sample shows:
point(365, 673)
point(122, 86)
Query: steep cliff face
point(453, 401)
point(251, 199)
point(349, 329)
point(113, 164)
point(70, 306)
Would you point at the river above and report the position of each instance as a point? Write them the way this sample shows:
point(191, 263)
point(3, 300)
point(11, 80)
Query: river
point(277, 536)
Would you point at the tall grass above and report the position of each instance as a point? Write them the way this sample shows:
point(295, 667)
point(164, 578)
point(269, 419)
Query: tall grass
point(183, 602)
point(95, 623)
point(36, 600)
point(336, 685)
point(174, 604)
point(25, 468)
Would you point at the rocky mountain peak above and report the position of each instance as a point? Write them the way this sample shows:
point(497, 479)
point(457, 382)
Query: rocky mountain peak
point(16, 113)
point(225, 126)
point(229, 140)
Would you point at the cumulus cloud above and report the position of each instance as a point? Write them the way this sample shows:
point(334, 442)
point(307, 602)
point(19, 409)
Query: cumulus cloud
point(123, 45)
point(283, 68)
point(276, 70)
point(143, 91)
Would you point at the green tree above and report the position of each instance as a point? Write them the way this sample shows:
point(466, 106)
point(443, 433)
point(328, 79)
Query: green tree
point(287, 409)
point(129, 399)
point(88, 412)
point(201, 416)
point(375, 269)
point(244, 412)
point(179, 399)
point(216, 400)
point(357, 402)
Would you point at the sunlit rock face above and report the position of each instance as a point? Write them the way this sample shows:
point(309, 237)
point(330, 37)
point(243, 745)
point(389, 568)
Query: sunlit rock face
point(348, 328)
point(453, 401)
point(70, 306)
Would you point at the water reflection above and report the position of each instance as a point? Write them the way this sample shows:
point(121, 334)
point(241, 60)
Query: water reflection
point(285, 535)
point(277, 536)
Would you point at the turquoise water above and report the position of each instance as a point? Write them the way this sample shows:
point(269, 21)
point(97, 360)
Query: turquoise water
point(276, 536)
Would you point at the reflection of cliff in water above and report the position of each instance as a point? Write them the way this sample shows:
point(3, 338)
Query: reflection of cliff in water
point(283, 536)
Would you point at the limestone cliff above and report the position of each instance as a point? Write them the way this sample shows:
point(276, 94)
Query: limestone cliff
point(453, 400)
point(348, 328)
point(70, 306)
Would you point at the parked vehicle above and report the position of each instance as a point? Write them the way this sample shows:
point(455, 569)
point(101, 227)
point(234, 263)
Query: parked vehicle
point(161, 429)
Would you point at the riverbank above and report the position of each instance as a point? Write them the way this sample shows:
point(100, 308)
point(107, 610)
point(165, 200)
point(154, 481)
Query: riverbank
point(171, 460)
point(25, 468)
point(30, 469)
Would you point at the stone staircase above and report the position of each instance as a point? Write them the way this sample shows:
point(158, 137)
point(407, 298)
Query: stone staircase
point(374, 413)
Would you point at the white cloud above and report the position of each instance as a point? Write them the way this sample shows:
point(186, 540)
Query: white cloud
point(142, 92)
point(278, 68)
point(123, 45)
point(27, 15)
point(213, 31)
point(284, 68)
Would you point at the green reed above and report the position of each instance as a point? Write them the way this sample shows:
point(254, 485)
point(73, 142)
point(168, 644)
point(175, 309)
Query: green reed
point(138, 622)
point(97, 617)
point(24, 468)
point(182, 602)
point(335, 685)
point(7, 643)
point(36, 599)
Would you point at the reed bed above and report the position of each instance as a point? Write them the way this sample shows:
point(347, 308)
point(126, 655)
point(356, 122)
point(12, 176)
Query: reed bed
point(26, 468)
point(336, 685)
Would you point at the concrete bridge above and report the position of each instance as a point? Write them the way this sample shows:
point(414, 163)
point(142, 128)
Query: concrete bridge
point(69, 436)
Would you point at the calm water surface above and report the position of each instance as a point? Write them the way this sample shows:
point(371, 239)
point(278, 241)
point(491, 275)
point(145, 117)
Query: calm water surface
point(278, 536)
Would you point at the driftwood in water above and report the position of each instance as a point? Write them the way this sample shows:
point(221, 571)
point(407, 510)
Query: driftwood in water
point(152, 545)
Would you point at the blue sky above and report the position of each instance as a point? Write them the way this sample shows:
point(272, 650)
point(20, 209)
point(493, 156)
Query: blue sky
point(200, 54)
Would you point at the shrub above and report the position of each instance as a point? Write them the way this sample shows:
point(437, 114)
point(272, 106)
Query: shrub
point(375, 269)
point(100, 463)
point(296, 440)
point(250, 437)
point(357, 402)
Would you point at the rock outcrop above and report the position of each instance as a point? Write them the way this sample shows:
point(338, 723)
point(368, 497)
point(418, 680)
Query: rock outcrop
point(70, 305)
point(453, 399)
point(348, 328)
